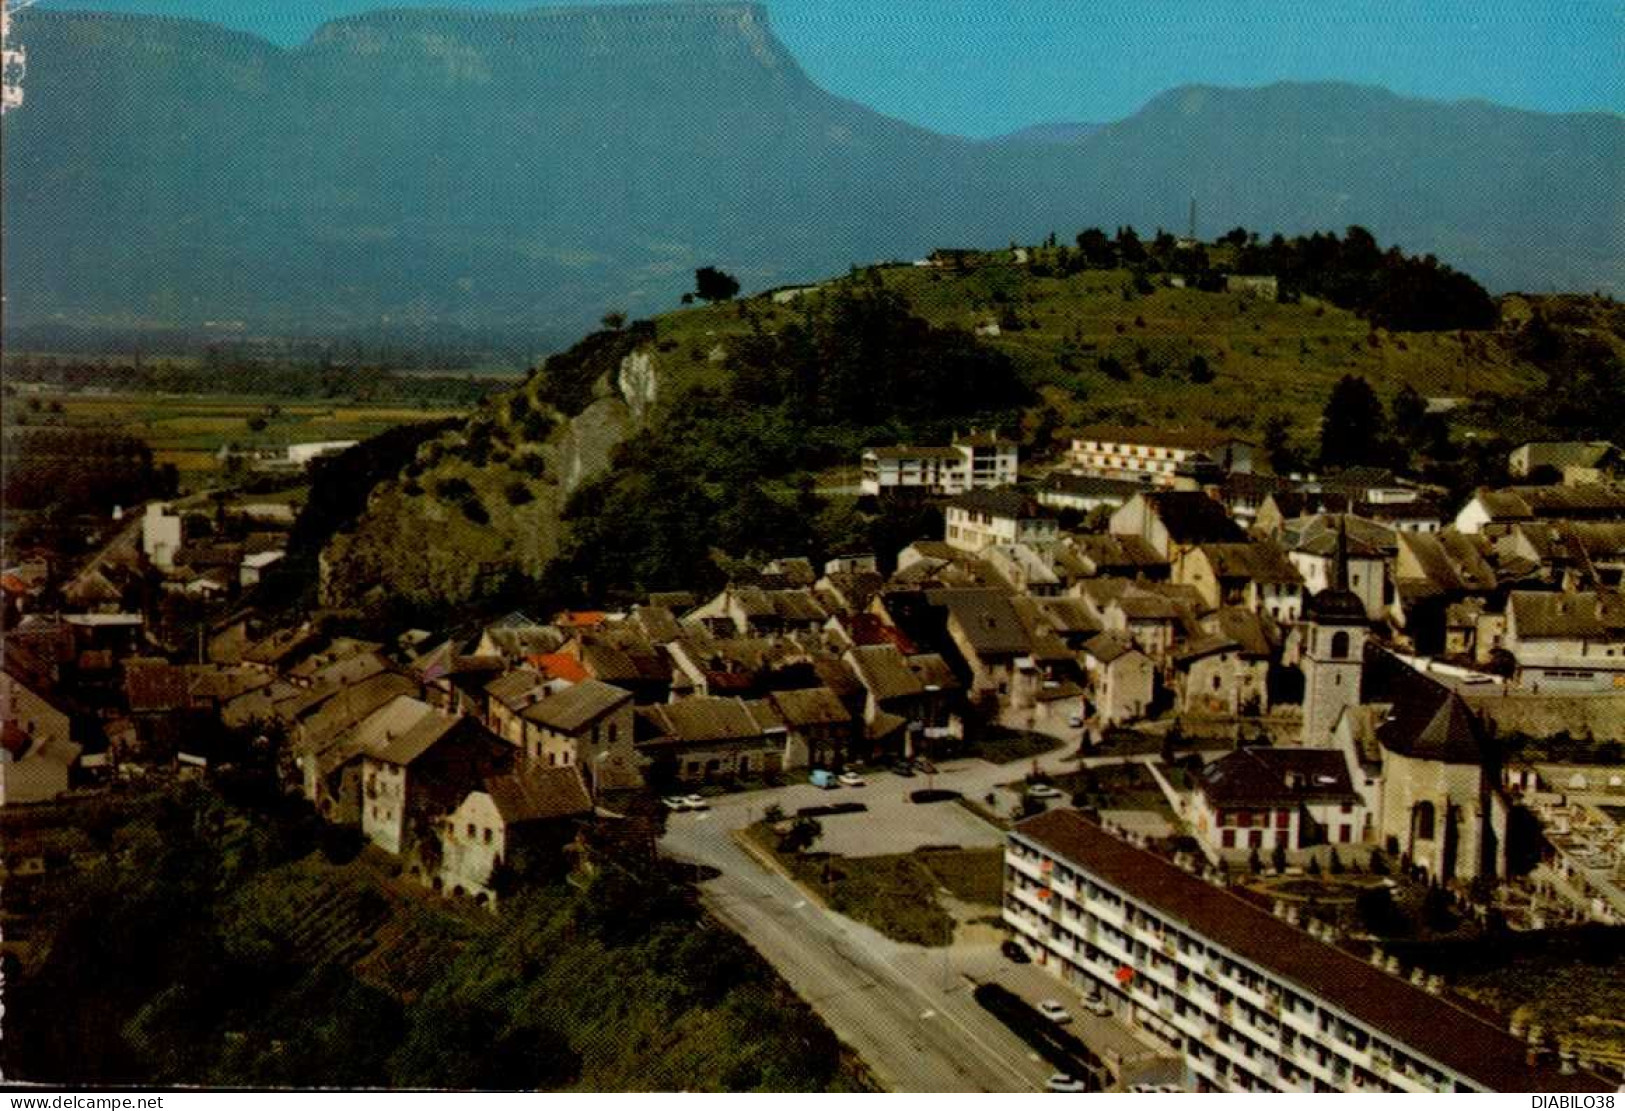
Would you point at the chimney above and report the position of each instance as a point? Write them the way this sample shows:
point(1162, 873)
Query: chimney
point(1377, 960)
point(1279, 909)
point(1565, 1061)
point(1435, 984)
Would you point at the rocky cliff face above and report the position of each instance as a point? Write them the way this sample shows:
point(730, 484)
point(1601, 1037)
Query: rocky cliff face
point(417, 540)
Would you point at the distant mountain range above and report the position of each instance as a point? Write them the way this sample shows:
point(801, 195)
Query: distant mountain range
point(1057, 132)
point(525, 172)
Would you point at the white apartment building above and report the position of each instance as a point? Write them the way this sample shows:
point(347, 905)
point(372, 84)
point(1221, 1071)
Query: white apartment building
point(1156, 456)
point(982, 518)
point(980, 461)
point(1254, 1004)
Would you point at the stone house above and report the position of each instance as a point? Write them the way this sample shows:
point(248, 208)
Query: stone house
point(522, 821)
point(589, 726)
point(423, 773)
point(1123, 678)
point(1255, 574)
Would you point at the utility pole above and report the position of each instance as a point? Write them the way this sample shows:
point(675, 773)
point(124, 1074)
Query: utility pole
point(1192, 232)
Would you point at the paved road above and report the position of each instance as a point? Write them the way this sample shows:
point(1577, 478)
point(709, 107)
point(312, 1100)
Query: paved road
point(906, 1010)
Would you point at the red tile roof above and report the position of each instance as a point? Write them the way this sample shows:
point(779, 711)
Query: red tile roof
point(557, 665)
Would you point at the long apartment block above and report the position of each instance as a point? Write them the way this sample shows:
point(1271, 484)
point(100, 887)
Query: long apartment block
point(1253, 1003)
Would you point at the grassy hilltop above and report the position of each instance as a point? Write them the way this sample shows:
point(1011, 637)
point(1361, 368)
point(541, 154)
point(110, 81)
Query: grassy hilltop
point(747, 413)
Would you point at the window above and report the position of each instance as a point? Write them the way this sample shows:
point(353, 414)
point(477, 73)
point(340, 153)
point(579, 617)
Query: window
point(1255, 839)
point(1343, 834)
point(1423, 818)
point(1283, 819)
point(1340, 645)
point(471, 829)
point(487, 836)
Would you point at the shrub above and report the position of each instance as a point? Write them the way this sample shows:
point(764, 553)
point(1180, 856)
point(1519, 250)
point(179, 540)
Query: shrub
point(518, 493)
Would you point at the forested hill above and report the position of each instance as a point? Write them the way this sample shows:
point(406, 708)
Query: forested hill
point(650, 455)
point(524, 172)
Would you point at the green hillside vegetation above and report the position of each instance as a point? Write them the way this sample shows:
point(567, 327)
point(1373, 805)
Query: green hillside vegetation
point(238, 943)
point(759, 398)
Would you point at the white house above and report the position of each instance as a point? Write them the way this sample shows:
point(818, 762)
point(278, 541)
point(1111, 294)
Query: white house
point(981, 518)
point(980, 461)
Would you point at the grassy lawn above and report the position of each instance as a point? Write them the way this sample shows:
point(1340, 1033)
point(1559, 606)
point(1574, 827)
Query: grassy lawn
point(1000, 745)
point(1118, 741)
point(973, 875)
point(1116, 787)
point(896, 894)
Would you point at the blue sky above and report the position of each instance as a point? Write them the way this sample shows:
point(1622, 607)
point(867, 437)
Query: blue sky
point(983, 67)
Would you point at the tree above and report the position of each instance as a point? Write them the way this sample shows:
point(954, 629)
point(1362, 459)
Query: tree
point(802, 835)
point(1283, 456)
point(1278, 857)
point(711, 284)
point(1198, 371)
point(1410, 412)
point(1353, 428)
point(614, 320)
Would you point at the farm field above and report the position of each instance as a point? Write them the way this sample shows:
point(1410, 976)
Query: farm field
point(190, 430)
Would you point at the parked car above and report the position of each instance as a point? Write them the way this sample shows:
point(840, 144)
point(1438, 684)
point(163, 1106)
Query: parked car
point(1064, 1082)
point(1043, 791)
point(924, 766)
point(1097, 1005)
point(1075, 721)
point(1053, 1011)
point(1013, 951)
point(695, 802)
point(903, 768)
point(824, 779)
point(851, 779)
point(675, 802)
point(1168, 1088)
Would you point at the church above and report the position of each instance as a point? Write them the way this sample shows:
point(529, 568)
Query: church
point(1421, 761)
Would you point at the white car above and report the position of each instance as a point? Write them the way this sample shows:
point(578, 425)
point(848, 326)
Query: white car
point(1075, 721)
point(675, 802)
point(1063, 1082)
point(851, 779)
point(1053, 1011)
point(1043, 791)
point(1097, 1005)
point(695, 802)
point(1165, 1088)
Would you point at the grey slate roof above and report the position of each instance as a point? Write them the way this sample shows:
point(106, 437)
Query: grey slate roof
point(534, 794)
point(576, 707)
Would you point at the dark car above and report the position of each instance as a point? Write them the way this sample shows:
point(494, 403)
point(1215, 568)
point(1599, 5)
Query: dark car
point(1013, 951)
point(903, 768)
